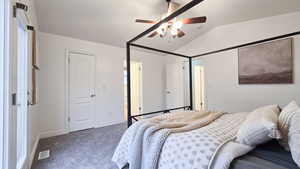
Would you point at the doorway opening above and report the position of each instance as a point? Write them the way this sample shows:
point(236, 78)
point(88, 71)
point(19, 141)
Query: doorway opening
point(198, 87)
point(136, 84)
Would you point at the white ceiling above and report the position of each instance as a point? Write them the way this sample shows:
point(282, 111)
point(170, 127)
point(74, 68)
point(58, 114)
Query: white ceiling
point(112, 21)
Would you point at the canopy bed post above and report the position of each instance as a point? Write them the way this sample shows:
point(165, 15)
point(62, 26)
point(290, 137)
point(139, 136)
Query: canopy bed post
point(191, 82)
point(154, 27)
point(228, 131)
point(129, 118)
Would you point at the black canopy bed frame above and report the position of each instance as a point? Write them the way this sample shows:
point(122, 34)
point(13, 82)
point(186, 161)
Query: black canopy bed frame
point(190, 58)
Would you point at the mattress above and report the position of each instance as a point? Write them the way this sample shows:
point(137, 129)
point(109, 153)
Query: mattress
point(269, 155)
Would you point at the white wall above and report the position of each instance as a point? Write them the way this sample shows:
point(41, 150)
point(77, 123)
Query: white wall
point(221, 70)
point(109, 81)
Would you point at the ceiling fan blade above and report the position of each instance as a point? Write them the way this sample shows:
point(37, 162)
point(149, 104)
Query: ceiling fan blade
point(195, 20)
point(145, 21)
point(152, 34)
point(180, 33)
point(173, 6)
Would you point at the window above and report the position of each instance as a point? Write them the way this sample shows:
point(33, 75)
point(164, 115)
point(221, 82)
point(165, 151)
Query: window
point(22, 55)
point(2, 89)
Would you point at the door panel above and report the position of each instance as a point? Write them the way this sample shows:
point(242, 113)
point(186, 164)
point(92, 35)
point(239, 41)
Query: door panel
point(81, 91)
point(175, 84)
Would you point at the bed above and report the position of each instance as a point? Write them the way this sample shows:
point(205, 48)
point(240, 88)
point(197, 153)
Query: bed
point(197, 140)
point(148, 146)
point(269, 155)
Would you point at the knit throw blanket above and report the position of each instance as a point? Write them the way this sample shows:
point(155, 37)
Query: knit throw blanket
point(142, 143)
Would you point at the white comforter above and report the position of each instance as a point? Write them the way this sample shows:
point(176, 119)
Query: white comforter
point(201, 148)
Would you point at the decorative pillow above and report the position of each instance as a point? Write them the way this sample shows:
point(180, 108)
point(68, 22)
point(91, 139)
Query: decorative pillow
point(260, 126)
point(294, 137)
point(284, 121)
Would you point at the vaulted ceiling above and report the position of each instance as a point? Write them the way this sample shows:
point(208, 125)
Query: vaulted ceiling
point(112, 21)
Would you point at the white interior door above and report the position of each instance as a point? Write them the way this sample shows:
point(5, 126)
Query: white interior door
point(174, 85)
point(81, 91)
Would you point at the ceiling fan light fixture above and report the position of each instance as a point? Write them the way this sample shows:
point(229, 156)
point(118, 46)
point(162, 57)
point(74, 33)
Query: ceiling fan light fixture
point(162, 29)
point(178, 24)
point(174, 31)
point(173, 26)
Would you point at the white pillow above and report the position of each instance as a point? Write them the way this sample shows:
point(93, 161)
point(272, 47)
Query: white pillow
point(284, 122)
point(260, 126)
point(294, 137)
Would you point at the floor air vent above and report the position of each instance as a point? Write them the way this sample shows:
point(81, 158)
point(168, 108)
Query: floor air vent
point(44, 154)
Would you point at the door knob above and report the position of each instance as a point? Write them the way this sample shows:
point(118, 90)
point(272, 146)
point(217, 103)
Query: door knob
point(93, 95)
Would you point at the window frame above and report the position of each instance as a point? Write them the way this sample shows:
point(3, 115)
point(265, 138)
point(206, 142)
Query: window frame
point(21, 24)
point(4, 86)
point(2, 92)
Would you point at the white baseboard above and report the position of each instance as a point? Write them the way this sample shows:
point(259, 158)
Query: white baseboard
point(53, 133)
point(33, 151)
point(109, 123)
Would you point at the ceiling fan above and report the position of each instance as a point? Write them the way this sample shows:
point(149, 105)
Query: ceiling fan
point(173, 26)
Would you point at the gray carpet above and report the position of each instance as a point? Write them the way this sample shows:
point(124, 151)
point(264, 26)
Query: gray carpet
point(88, 149)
